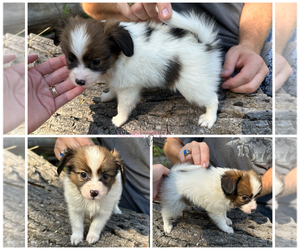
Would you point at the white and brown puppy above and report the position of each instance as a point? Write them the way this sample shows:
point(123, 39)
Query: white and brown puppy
point(217, 190)
point(180, 54)
point(93, 187)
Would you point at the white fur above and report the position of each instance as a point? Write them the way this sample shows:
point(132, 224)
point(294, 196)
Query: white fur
point(100, 209)
point(199, 76)
point(202, 187)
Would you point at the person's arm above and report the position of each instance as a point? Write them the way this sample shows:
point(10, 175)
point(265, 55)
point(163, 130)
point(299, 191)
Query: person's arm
point(255, 24)
point(266, 182)
point(290, 183)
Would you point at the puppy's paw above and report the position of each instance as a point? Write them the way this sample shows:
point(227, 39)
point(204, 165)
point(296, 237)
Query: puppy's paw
point(228, 230)
point(106, 97)
point(92, 238)
point(117, 210)
point(168, 228)
point(228, 222)
point(76, 238)
point(207, 120)
point(119, 120)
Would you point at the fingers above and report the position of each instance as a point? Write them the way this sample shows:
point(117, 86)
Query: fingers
point(252, 72)
point(159, 171)
point(58, 76)
point(67, 96)
point(199, 154)
point(51, 65)
point(282, 70)
point(145, 11)
point(32, 58)
point(164, 10)
point(8, 58)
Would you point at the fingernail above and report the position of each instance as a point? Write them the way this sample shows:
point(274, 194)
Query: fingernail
point(204, 165)
point(165, 12)
point(225, 86)
point(224, 71)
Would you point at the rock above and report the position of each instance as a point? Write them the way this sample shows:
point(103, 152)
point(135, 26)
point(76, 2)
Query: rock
point(48, 222)
point(195, 229)
point(13, 200)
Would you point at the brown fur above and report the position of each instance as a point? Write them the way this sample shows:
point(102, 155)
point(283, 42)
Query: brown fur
point(106, 41)
point(235, 185)
point(76, 163)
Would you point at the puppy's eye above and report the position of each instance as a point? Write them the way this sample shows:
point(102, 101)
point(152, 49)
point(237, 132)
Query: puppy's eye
point(105, 176)
point(95, 62)
point(83, 175)
point(245, 197)
point(70, 59)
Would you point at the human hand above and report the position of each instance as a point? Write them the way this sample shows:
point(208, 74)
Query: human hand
point(199, 154)
point(159, 172)
point(282, 70)
point(146, 11)
point(14, 94)
point(41, 100)
point(252, 70)
point(70, 142)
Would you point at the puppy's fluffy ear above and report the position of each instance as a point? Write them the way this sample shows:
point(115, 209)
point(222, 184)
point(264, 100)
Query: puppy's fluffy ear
point(119, 163)
point(64, 160)
point(120, 36)
point(229, 181)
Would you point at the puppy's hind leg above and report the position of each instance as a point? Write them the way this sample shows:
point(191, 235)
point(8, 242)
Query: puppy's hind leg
point(127, 100)
point(168, 212)
point(209, 118)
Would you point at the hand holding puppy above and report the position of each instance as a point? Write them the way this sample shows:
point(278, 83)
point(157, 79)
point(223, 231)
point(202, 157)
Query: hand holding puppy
point(159, 172)
point(145, 11)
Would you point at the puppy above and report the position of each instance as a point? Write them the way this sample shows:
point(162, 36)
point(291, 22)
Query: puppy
point(180, 54)
point(217, 190)
point(93, 187)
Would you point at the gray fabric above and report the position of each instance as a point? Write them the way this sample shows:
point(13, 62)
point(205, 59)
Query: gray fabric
point(135, 153)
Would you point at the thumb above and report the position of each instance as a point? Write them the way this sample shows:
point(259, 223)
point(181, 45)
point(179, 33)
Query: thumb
point(229, 64)
point(8, 58)
point(164, 10)
point(32, 58)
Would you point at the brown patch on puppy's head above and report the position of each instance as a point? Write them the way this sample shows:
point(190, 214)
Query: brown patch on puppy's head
point(241, 188)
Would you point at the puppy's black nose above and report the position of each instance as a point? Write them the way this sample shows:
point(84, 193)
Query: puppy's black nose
point(94, 193)
point(80, 82)
point(253, 210)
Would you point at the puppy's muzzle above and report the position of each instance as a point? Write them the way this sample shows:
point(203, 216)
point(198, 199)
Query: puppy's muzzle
point(80, 82)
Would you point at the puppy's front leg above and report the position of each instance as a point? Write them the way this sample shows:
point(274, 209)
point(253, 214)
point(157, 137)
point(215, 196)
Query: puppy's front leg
point(97, 225)
point(221, 222)
point(108, 96)
point(127, 100)
point(76, 220)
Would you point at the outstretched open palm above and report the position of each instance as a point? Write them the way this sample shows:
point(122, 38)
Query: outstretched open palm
point(42, 101)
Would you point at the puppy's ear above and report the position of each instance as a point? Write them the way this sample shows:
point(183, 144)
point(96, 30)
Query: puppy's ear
point(120, 36)
point(119, 163)
point(64, 160)
point(229, 181)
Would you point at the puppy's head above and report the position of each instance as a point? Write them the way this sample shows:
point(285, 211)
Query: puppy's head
point(241, 188)
point(93, 170)
point(91, 47)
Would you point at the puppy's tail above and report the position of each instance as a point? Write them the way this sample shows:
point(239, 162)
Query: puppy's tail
point(201, 26)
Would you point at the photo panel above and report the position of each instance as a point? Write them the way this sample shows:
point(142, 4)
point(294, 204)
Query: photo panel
point(99, 185)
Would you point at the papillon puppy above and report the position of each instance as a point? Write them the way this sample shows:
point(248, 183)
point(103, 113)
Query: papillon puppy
point(93, 187)
point(217, 190)
point(180, 54)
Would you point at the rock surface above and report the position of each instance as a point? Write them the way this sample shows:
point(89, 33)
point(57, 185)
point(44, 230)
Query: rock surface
point(48, 223)
point(195, 229)
point(158, 110)
point(13, 200)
